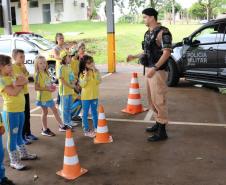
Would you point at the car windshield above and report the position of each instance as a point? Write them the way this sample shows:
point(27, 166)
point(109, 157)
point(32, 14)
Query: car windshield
point(42, 43)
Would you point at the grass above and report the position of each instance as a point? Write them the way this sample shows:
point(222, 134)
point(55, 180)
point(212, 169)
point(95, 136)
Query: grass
point(128, 36)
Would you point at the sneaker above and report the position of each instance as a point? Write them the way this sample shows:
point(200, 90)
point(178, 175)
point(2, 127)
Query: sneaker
point(29, 157)
point(76, 119)
point(48, 133)
point(31, 137)
point(89, 134)
point(27, 142)
point(17, 165)
point(64, 128)
point(6, 181)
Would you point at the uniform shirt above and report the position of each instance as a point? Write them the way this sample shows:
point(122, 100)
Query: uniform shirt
point(155, 41)
point(20, 70)
point(75, 67)
point(90, 85)
point(11, 103)
point(66, 73)
point(43, 79)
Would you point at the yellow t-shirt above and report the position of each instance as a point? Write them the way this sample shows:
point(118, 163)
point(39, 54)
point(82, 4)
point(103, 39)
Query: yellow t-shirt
point(11, 103)
point(19, 70)
point(43, 80)
point(66, 73)
point(75, 67)
point(90, 85)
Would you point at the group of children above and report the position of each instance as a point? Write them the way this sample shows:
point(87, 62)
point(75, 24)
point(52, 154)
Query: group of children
point(78, 89)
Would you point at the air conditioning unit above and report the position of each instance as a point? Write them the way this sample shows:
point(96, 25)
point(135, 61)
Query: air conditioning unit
point(75, 3)
point(83, 5)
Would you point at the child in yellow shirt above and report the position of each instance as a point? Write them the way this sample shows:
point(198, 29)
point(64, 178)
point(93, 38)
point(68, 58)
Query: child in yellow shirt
point(66, 88)
point(44, 98)
point(11, 89)
point(89, 81)
point(20, 69)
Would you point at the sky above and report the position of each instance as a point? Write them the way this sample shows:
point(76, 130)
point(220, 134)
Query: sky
point(186, 3)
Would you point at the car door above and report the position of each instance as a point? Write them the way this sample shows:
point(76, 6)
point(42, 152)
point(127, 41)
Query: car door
point(30, 53)
point(222, 56)
point(201, 56)
point(5, 47)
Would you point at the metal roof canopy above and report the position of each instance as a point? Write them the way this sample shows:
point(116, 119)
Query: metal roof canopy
point(25, 26)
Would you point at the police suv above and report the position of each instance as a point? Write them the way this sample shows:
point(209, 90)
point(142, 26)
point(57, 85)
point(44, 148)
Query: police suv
point(32, 44)
point(201, 57)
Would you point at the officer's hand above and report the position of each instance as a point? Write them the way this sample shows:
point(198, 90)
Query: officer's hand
point(2, 130)
point(130, 58)
point(151, 72)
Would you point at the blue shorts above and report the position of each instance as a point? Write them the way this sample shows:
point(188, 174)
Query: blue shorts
point(47, 104)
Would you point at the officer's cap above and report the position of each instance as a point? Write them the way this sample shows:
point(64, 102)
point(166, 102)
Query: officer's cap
point(150, 12)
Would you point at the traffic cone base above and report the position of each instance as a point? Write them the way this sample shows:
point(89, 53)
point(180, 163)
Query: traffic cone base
point(79, 173)
point(135, 110)
point(107, 139)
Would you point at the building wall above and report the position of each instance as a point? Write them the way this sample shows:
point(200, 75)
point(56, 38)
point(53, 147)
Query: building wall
point(74, 13)
point(70, 13)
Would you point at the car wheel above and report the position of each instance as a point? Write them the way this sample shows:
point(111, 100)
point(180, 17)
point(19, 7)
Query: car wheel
point(52, 73)
point(173, 75)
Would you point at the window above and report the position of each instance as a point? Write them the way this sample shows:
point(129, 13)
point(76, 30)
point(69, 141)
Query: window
point(27, 47)
point(59, 6)
point(207, 35)
point(33, 4)
point(5, 46)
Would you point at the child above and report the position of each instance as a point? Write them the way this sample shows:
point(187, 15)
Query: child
point(57, 50)
point(20, 69)
point(77, 105)
point(66, 88)
point(44, 90)
point(81, 50)
point(89, 81)
point(11, 89)
point(3, 179)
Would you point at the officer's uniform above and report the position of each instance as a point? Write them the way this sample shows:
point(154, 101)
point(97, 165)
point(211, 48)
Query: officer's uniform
point(155, 42)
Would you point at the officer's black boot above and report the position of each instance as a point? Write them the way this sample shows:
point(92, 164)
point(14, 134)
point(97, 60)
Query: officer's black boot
point(154, 128)
point(161, 135)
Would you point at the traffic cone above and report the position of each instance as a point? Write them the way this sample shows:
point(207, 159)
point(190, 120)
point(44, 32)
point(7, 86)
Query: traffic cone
point(71, 167)
point(102, 135)
point(134, 105)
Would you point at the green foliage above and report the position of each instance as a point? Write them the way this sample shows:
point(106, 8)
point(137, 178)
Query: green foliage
point(197, 11)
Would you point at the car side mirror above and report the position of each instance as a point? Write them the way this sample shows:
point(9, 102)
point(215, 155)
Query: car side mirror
point(196, 42)
point(35, 51)
point(187, 41)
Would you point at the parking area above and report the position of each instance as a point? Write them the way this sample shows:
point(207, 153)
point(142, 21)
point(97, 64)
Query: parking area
point(194, 154)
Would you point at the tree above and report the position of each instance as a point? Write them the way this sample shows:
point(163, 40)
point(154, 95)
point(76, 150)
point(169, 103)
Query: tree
point(210, 5)
point(197, 11)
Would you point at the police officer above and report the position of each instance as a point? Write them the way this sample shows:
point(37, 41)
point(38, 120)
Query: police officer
point(157, 46)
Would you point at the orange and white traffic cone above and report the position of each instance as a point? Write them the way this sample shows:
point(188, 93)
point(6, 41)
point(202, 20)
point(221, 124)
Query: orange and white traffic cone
point(71, 167)
point(134, 105)
point(102, 135)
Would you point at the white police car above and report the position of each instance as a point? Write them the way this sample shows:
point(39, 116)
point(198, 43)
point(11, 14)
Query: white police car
point(32, 44)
